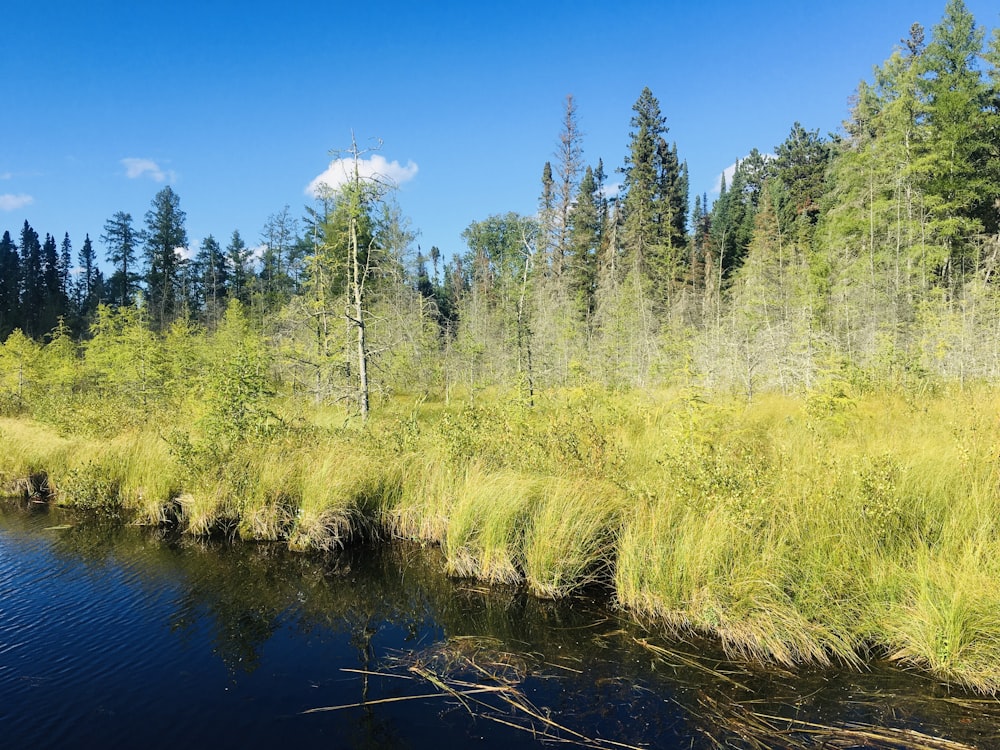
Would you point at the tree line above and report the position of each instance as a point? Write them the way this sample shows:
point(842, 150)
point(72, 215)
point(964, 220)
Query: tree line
point(870, 253)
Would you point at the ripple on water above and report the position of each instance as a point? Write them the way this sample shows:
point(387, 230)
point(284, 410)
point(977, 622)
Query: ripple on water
point(113, 637)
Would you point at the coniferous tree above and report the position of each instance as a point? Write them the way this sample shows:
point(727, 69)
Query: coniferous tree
point(10, 293)
point(238, 268)
point(164, 235)
point(548, 237)
point(121, 241)
point(211, 277)
point(584, 245)
point(54, 305)
point(992, 129)
point(32, 281)
point(641, 205)
point(280, 259)
point(423, 284)
point(800, 165)
point(65, 261)
point(569, 165)
point(655, 206)
point(88, 291)
point(953, 168)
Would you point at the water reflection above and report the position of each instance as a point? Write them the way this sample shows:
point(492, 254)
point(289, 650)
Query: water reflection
point(124, 637)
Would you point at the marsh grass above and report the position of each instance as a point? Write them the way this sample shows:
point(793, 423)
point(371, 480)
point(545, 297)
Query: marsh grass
point(571, 537)
point(343, 495)
point(487, 523)
point(792, 529)
point(428, 488)
point(33, 457)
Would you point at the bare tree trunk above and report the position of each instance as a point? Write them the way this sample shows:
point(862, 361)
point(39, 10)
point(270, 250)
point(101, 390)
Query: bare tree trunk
point(357, 289)
point(524, 335)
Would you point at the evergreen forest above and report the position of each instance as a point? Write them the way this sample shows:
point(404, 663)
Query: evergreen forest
point(771, 417)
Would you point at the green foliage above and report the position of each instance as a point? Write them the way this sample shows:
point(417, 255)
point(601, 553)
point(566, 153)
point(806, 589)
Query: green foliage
point(236, 384)
point(164, 234)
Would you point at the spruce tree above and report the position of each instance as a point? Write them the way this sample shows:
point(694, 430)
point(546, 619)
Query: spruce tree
point(9, 287)
point(32, 281)
point(642, 174)
point(584, 244)
point(569, 165)
point(655, 206)
point(121, 241)
point(65, 261)
point(54, 305)
point(238, 269)
point(87, 261)
point(164, 236)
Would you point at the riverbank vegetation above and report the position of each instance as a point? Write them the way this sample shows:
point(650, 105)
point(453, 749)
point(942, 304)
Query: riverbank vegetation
point(773, 420)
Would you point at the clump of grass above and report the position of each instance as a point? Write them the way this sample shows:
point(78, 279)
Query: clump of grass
point(428, 488)
point(207, 510)
point(134, 473)
point(948, 618)
point(150, 477)
point(694, 570)
point(344, 494)
point(572, 535)
point(487, 524)
point(33, 457)
point(265, 496)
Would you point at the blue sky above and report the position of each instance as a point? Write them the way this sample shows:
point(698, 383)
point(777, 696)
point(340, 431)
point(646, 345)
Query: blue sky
point(238, 105)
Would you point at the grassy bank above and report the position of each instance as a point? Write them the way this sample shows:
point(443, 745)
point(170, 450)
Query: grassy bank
point(818, 528)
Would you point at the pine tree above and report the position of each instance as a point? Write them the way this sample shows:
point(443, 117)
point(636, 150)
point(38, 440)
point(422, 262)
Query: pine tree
point(10, 277)
point(32, 281)
point(164, 236)
point(584, 245)
point(800, 165)
point(211, 277)
point(121, 241)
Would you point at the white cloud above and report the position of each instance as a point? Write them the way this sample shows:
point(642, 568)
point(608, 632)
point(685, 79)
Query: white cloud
point(377, 167)
point(136, 168)
point(184, 253)
point(730, 172)
point(612, 190)
point(6, 175)
point(11, 202)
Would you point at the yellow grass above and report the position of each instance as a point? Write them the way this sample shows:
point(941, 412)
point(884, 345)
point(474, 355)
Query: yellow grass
point(795, 528)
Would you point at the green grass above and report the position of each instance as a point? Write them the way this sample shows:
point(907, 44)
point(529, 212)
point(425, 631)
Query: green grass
point(793, 529)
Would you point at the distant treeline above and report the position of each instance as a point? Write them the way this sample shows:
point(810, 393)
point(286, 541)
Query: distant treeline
point(875, 249)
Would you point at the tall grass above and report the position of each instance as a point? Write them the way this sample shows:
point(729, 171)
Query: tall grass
point(814, 528)
point(32, 455)
point(487, 523)
point(571, 537)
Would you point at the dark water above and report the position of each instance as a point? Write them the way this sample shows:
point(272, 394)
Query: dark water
point(113, 636)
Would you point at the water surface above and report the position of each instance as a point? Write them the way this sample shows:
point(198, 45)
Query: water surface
point(115, 636)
